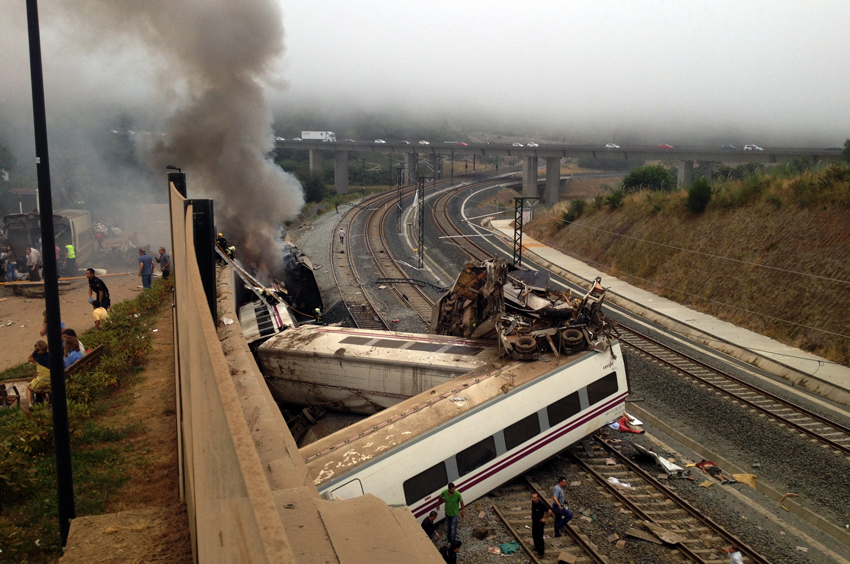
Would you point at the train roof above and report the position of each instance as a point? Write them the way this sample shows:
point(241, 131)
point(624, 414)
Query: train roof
point(384, 346)
point(339, 453)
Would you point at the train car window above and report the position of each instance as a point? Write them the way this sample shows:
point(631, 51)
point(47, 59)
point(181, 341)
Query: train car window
point(466, 351)
point(425, 483)
point(478, 454)
point(602, 388)
point(563, 409)
point(425, 347)
point(357, 340)
point(521, 431)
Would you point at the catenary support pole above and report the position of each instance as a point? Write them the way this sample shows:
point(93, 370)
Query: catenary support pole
point(61, 434)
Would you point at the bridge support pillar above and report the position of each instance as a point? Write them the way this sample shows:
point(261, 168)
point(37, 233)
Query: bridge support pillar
point(529, 177)
point(707, 169)
point(410, 176)
point(553, 181)
point(317, 163)
point(340, 172)
point(686, 173)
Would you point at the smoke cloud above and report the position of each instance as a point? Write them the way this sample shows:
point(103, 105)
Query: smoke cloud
point(199, 71)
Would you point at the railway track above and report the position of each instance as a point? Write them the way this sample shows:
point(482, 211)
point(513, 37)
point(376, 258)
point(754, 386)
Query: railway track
point(650, 501)
point(819, 428)
point(512, 504)
point(360, 306)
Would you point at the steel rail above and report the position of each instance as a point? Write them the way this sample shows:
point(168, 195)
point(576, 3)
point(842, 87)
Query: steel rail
point(728, 537)
point(643, 343)
point(574, 534)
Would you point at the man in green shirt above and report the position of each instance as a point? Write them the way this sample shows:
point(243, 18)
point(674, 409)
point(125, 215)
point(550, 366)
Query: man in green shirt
point(454, 505)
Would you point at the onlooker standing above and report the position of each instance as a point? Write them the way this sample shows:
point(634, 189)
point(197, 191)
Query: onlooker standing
point(32, 265)
point(429, 525)
point(145, 268)
point(101, 292)
point(540, 511)
point(99, 238)
point(454, 505)
point(100, 315)
point(164, 260)
point(69, 267)
point(559, 507)
point(341, 236)
point(11, 264)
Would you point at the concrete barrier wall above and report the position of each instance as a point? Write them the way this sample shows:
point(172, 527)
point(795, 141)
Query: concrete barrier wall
point(232, 515)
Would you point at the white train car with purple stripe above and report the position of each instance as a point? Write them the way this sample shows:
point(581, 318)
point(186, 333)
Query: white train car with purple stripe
point(478, 430)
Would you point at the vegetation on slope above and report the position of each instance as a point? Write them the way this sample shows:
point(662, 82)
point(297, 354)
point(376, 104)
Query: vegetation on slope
point(769, 252)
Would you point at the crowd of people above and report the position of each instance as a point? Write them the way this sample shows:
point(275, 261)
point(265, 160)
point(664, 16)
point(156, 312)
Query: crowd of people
point(541, 510)
point(98, 296)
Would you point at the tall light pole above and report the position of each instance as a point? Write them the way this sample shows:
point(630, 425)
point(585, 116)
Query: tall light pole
point(61, 434)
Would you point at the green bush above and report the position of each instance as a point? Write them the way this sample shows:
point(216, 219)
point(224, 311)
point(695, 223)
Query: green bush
point(615, 199)
point(27, 436)
point(699, 195)
point(651, 177)
point(575, 210)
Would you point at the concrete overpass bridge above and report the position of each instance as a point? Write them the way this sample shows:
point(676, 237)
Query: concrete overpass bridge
point(705, 157)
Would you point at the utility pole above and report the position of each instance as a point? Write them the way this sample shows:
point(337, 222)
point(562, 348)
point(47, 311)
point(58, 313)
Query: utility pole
point(363, 174)
point(453, 167)
point(420, 191)
point(519, 208)
point(398, 199)
point(61, 433)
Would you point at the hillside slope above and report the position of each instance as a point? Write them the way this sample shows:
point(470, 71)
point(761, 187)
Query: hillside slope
point(765, 268)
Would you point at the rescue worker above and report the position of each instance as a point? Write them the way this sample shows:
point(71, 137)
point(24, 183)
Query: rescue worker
point(319, 318)
point(69, 267)
point(231, 250)
point(222, 245)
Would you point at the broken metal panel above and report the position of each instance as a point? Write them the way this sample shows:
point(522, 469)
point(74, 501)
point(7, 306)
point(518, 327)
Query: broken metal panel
point(528, 317)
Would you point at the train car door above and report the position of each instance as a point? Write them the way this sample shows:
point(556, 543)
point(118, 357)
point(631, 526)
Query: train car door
point(349, 489)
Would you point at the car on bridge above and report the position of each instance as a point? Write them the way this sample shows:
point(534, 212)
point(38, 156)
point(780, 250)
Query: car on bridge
point(518, 145)
point(532, 145)
point(752, 148)
point(280, 139)
point(380, 142)
point(403, 142)
point(296, 139)
point(350, 141)
point(423, 142)
point(462, 144)
point(665, 146)
point(612, 146)
point(728, 147)
point(835, 148)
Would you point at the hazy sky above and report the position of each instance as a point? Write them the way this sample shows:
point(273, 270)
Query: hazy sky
point(758, 71)
point(756, 68)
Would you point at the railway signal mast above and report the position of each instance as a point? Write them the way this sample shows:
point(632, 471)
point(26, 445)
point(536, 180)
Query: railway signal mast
point(519, 215)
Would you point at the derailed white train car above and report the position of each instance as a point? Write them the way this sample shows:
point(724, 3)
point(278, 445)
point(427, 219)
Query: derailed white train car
point(478, 431)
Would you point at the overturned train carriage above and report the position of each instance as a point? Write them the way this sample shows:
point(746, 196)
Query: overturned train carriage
point(478, 430)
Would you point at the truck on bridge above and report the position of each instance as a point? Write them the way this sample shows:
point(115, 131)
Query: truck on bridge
point(328, 136)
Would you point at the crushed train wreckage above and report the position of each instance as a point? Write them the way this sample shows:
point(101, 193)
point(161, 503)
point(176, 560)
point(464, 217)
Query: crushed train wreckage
point(520, 309)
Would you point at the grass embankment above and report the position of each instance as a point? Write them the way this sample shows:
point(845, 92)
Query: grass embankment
point(101, 459)
point(770, 253)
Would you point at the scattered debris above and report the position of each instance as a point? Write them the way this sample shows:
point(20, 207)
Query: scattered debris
point(576, 483)
point(621, 544)
point(459, 399)
point(618, 483)
point(613, 537)
point(567, 558)
point(749, 479)
point(666, 463)
point(480, 533)
point(226, 321)
point(706, 484)
point(494, 550)
point(481, 515)
point(610, 462)
point(783, 499)
point(802, 549)
point(643, 536)
point(510, 547)
point(662, 533)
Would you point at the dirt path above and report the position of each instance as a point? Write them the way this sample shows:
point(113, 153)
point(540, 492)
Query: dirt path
point(149, 522)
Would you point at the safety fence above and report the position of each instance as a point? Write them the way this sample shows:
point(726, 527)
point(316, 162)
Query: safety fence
point(232, 515)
